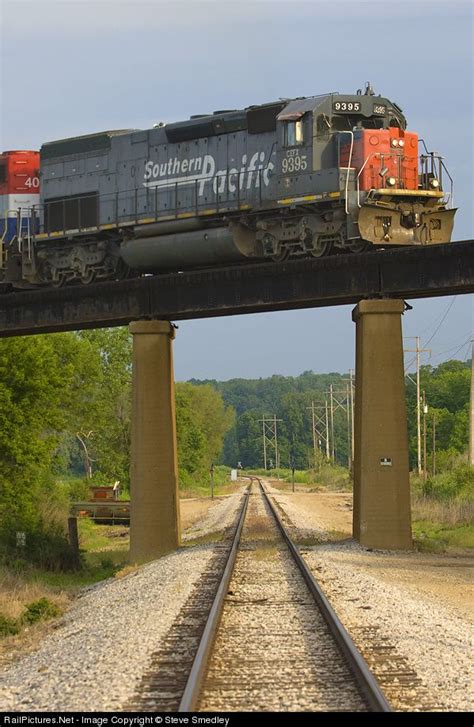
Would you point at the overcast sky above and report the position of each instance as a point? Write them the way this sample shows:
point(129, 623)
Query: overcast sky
point(72, 67)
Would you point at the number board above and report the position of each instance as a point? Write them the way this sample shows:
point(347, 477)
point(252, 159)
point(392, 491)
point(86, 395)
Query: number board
point(346, 106)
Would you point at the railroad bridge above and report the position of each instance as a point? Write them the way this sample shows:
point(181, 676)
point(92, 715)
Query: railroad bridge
point(377, 283)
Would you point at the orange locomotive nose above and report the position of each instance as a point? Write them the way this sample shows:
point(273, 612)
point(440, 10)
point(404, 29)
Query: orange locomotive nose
point(384, 158)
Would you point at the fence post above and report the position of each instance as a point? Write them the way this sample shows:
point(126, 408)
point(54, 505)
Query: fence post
point(73, 536)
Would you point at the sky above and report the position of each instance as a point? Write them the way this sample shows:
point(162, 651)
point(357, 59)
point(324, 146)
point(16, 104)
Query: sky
point(73, 67)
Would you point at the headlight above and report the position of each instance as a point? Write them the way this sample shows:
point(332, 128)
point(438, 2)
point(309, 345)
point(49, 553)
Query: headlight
point(394, 142)
point(434, 183)
point(401, 142)
point(391, 181)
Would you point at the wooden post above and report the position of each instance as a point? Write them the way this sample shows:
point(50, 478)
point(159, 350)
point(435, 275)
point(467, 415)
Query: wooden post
point(73, 536)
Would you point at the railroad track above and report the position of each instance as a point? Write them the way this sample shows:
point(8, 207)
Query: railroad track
point(270, 641)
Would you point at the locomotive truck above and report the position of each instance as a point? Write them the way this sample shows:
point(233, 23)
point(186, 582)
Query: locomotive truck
point(308, 176)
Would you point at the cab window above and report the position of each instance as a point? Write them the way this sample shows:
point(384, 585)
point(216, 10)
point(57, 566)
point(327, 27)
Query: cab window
point(3, 173)
point(294, 133)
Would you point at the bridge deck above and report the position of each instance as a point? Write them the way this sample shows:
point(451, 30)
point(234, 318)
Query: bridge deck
point(343, 279)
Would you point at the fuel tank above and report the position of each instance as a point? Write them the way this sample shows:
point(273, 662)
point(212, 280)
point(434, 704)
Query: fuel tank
point(195, 248)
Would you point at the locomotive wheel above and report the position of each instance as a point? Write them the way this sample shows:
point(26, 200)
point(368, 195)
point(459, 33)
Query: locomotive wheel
point(283, 255)
point(358, 246)
point(59, 282)
point(88, 278)
point(321, 249)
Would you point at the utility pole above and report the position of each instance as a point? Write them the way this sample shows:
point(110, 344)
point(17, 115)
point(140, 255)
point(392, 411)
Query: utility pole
point(331, 399)
point(425, 412)
point(319, 422)
point(433, 455)
point(471, 412)
point(270, 439)
point(418, 351)
point(313, 425)
point(277, 454)
point(327, 431)
point(264, 445)
point(342, 400)
point(349, 437)
point(351, 376)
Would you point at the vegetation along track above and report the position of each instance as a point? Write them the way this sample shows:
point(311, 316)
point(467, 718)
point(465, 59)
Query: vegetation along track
point(271, 641)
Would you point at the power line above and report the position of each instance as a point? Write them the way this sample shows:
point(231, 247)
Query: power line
point(443, 315)
point(456, 347)
point(441, 321)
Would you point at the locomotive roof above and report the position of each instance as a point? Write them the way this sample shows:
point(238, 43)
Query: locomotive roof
point(81, 144)
point(255, 119)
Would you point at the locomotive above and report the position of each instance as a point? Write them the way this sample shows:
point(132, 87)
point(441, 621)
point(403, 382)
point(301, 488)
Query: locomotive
point(308, 176)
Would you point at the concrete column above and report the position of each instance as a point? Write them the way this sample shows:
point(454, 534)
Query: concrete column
point(154, 516)
point(382, 512)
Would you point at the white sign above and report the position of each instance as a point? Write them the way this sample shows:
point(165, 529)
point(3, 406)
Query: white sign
point(233, 475)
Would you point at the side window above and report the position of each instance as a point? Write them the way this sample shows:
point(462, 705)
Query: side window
point(3, 173)
point(323, 126)
point(294, 133)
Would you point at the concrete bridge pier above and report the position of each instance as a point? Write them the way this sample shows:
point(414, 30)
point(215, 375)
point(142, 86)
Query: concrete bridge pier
point(382, 513)
point(154, 515)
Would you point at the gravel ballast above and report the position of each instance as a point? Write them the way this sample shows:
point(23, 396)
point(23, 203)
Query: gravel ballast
point(95, 658)
point(369, 595)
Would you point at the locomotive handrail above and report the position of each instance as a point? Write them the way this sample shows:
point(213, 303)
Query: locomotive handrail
point(431, 155)
point(346, 187)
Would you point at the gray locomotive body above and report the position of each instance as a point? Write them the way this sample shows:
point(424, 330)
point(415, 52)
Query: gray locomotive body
point(282, 179)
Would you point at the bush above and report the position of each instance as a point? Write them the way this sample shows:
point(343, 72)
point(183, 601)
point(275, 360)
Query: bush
point(8, 626)
point(46, 546)
point(457, 484)
point(40, 610)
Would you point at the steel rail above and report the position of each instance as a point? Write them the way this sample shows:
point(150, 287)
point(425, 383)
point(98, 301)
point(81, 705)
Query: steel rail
point(351, 654)
point(196, 676)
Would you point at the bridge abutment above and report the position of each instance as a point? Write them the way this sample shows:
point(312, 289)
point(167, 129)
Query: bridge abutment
point(154, 515)
point(382, 512)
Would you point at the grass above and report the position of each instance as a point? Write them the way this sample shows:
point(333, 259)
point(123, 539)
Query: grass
point(199, 484)
point(443, 510)
point(325, 475)
point(29, 595)
point(436, 537)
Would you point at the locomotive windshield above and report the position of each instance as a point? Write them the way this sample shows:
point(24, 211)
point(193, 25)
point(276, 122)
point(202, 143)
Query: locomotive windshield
point(343, 123)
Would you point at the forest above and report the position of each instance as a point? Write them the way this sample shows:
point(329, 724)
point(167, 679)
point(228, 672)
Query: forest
point(65, 409)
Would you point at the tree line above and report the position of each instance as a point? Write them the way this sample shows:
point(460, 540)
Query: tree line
point(289, 399)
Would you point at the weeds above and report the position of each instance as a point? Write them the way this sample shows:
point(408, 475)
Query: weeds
point(41, 610)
